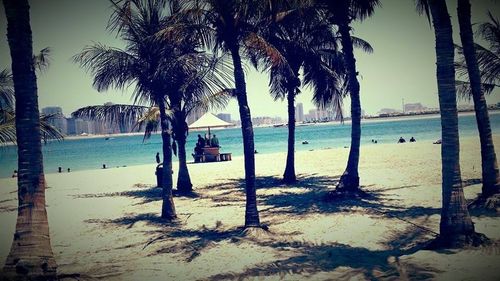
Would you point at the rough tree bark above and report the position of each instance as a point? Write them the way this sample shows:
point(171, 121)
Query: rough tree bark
point(31, 255)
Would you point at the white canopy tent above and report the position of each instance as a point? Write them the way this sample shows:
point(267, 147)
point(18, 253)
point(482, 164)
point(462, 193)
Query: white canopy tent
point(208, 120)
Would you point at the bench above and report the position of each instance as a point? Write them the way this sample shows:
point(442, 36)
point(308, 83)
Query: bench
point(208, 154)
point(225, 157)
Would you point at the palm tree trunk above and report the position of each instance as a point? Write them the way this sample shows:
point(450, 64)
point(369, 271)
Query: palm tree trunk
point(251, 212)
point(456, 226)
point(168, 207)
point(491, 178)
point(289, 175)
point(31, 255)
point(184, 184)
point(350, 179)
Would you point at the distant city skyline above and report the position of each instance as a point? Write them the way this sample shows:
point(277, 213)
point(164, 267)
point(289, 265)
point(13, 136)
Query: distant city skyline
point(401, 67)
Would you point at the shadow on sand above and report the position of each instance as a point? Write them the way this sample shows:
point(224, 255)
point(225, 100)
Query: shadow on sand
point(277, 202)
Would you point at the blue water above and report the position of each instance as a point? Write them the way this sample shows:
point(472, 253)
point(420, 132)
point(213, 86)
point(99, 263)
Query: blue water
point(85, 154)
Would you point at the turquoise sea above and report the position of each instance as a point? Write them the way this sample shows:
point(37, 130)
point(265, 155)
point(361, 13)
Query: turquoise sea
point(91, 153)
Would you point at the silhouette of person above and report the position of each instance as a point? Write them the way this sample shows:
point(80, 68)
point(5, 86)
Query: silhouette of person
point(201, 141)
point(413, 139)
point(215, 141)
point(69, 170)
point(401, 140)
point(14, 175)
point(158, 157)
point(207, 140)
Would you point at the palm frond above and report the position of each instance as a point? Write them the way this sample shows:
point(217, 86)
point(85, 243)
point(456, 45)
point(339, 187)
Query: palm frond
point(423, 8)
point(6, 90)
point(464, 90)
point(42, 59)
point(109, 66)
point(362, 44)
point(150, 121)
point(8, 128)
point(48, 131)
point(115, 114)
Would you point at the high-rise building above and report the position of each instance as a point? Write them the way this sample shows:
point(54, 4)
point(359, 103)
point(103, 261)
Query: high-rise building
point(84, 127)
point(57, 118)
point(225, 116)
point(70, 126)
point(299, 112)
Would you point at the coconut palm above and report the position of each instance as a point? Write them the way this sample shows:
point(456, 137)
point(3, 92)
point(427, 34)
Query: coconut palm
point(31, 255)
point(343, 13)
point(490, 174)
point(146, 62)
point(456, 227)
point(228, 26)
point(307, 43)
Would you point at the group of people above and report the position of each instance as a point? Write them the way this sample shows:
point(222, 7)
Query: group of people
point(402, 140)
point(205, 142)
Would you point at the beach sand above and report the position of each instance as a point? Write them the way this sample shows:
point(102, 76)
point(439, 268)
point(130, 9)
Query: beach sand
point(105, 223)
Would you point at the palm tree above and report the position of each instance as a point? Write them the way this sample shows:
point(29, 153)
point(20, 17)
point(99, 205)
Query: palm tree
point(229, 26)
point(456, 227)
point(306, 42)
point(31, 255)
point(146, 63)
point(490, 174)
point(343, 13)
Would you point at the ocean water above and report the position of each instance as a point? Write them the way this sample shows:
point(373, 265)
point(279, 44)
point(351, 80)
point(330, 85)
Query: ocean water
point(91, 153)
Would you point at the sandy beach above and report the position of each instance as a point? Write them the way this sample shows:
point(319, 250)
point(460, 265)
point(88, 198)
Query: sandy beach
point(105, 223)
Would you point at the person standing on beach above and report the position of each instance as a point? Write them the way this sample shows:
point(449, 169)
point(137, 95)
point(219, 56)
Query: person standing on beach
point(158, 157)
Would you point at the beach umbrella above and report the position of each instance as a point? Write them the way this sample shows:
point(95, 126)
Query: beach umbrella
point(208, 120)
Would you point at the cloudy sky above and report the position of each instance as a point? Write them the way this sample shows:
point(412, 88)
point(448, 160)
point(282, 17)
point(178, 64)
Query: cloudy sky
point(402, 66)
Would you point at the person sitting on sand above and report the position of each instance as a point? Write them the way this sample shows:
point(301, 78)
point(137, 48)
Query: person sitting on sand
point(215, 141)
point(413, 139)
point(401, 140)
point(14, 175)
point(158, 158)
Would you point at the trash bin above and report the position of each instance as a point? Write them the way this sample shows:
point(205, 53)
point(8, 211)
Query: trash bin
point(159, 175)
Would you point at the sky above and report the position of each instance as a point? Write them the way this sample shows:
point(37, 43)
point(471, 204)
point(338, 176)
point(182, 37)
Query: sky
point(402, 65)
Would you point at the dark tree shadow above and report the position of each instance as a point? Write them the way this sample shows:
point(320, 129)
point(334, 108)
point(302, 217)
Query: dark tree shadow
point(146, 193)
point(194, 241)
point(129, 221)
point(308, 259)
point(469, 182)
